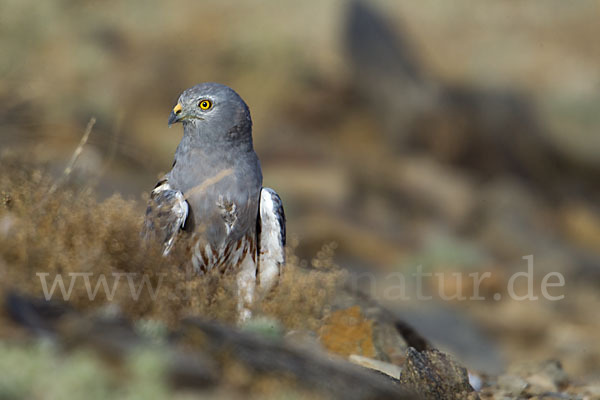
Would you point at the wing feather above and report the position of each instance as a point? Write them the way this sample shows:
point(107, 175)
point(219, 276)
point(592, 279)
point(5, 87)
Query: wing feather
point(271, 238)
point(165, 216)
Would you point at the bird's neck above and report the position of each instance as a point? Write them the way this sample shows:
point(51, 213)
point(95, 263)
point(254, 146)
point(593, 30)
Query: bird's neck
point(194, 137)
point(221, 149)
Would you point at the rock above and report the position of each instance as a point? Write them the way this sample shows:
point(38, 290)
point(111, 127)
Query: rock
point(317, 371)
point(381, 366)
point(205, 355)
point(347, 332)
point(305, 339)
point(476, 381)
point(456, 333)
point(511, 385)
point(545, 380)
point(390, 340)
point(435, 375)
point(264, 326)
point(545, 377)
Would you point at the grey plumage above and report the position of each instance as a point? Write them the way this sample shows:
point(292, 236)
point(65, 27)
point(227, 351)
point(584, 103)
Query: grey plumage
point(214, 190)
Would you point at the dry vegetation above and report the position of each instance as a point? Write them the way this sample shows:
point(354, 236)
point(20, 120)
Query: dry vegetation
point(69, 231)
point(502, 163)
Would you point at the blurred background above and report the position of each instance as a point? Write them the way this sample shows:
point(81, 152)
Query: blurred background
point(457, 136)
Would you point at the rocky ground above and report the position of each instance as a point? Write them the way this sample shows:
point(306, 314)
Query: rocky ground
point(446, 140)
point(318, 335)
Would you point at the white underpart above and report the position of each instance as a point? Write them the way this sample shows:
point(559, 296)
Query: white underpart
point(246, 284)
point(271, 254)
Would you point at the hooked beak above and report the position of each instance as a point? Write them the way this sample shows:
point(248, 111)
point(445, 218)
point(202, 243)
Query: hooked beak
point(175, 114)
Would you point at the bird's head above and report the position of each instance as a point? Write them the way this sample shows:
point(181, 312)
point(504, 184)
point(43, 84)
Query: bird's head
point(213, 109)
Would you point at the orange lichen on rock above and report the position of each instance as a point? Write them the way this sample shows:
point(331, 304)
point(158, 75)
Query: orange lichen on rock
point(347, 332)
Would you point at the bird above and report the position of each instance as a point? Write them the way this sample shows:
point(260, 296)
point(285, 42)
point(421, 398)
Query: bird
point(213, 196)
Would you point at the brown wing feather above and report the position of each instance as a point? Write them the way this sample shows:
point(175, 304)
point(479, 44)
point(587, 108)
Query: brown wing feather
point(165, 215)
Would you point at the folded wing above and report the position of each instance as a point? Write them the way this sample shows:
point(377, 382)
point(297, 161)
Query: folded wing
point(165, 216)
point(271, 239)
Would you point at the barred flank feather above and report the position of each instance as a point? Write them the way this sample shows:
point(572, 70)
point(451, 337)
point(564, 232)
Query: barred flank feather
point(225, 259)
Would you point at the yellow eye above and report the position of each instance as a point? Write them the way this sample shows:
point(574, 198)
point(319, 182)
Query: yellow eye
point(205, 104)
